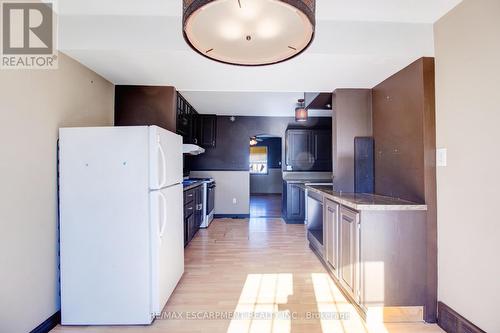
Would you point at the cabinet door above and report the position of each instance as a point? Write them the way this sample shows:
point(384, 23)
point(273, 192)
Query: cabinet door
point(207, 130)
point(299, 154)
point(349, 254)
point(295, 202)
point(186, 231)
point(322, 150)
point(194, 137)
point(331, 234)
point(191, 227)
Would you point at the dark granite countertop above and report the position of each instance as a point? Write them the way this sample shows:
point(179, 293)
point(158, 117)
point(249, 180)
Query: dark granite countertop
point(307, 181)
point(191, 185)
point(362, 201)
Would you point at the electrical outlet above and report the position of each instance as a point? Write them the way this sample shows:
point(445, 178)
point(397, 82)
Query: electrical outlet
point(441, 157)
point(234, 201)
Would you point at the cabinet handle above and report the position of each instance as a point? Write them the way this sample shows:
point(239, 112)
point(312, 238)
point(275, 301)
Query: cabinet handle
point(190, 195)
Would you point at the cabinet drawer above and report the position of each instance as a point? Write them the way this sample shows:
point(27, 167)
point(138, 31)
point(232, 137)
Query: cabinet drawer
point(189, 196)
point(189, 209)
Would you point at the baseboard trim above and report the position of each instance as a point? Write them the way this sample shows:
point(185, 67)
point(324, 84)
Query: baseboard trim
point(294, 221)
point(452, 322)
point(48, 324)
point(231, 216)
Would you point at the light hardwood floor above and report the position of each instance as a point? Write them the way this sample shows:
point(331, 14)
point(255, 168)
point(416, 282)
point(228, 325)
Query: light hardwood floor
point(265, 205)
point(259, 266)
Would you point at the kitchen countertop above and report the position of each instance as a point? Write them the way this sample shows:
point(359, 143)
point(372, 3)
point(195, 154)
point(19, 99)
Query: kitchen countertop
point(305, 181)
point(192, 185)
point(364, 201)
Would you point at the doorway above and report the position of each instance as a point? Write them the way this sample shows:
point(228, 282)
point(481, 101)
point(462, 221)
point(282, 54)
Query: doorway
point(266, 176)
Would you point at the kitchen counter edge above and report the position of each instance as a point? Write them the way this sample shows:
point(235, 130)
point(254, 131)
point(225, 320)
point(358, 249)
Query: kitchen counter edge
point(380, 206)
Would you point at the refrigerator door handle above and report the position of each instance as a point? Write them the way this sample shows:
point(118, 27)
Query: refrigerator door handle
point(164, 220)
point(163, 182)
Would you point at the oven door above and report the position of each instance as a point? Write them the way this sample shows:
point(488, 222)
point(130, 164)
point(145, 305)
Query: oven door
point(210, 197)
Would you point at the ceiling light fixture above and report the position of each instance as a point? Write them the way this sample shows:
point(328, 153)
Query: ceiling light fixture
point(249, 32)
point(301, 113)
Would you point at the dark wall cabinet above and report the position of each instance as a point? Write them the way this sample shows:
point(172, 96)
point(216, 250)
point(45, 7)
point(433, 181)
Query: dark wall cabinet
point(308, 150)
point(294, 202)
point(167, 108)
point(195, 128)
point(207, 130)
point(186, 120)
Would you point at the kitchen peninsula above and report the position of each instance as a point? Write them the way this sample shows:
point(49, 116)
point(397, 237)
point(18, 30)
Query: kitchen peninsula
point(374, 248)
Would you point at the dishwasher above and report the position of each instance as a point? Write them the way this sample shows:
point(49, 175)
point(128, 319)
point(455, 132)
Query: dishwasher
point(315, 220)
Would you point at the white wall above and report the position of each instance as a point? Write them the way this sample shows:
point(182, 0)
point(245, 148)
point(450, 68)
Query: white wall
point(467, 44)
point(230, 185)
point(33, 105)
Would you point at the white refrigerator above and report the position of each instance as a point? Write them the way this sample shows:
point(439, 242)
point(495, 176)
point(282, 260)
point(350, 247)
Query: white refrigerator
point(121, 223)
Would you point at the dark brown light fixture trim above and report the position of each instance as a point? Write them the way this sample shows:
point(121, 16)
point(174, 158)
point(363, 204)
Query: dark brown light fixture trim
point(307, 7)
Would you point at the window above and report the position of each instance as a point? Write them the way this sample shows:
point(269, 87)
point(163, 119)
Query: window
point(258, 160)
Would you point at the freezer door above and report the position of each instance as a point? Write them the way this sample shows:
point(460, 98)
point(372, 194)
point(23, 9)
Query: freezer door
point(167, 243)
point(165, 151)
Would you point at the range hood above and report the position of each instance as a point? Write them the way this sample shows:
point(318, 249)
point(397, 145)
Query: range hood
point(189, 149)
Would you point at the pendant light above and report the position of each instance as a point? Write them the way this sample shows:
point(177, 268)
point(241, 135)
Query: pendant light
point(301, 113)
point(249, 32)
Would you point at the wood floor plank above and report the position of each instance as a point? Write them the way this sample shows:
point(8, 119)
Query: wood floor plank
point(260, 267)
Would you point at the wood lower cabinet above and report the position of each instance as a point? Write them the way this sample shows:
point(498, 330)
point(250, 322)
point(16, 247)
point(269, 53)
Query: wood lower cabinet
point(378, 258)
point(193, 212)
point(331, 230)
point(349, 249)
point(294, 200)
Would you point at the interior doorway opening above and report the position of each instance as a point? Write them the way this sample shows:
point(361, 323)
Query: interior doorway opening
point(266, 176)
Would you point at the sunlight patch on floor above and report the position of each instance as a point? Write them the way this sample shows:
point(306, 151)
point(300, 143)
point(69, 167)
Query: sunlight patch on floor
point(330, 300)
point(257, 310)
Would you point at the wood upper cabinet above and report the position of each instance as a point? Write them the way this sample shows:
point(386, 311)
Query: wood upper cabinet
point(331, 230)
point(187, 121)
point(349, 251)
point(298, 150)
point(146, 105)
point(322, 149)
point(207, 130)
point(308, 150)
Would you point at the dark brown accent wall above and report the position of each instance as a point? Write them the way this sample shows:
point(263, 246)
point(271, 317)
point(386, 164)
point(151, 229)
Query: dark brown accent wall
point(233, 139)
point(146, 105)
point(404, 130)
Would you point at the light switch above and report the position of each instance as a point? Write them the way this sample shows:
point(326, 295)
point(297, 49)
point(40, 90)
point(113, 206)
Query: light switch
point(441, 158)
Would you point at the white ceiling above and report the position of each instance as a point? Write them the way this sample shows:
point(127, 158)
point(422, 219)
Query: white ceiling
point(358, 44)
